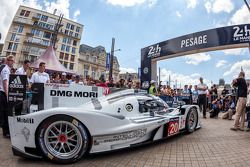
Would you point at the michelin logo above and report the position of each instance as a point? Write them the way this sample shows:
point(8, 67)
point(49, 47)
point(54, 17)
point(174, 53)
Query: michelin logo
point(16, 83)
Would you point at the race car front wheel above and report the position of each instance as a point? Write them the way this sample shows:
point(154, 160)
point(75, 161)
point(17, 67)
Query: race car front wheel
point(62, 139)
point(191, 120)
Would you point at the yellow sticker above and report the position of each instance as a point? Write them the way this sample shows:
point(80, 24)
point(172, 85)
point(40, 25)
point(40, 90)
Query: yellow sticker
point(50, 156)
point(75, 122)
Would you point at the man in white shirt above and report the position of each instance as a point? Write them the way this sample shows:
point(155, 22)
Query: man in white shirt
point(40, 76)
point(22, 70)
point(202, 96)
point(4, 85)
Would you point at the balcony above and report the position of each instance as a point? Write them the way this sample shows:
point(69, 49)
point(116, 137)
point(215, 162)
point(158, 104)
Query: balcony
point(38, 43)
point(36, 18)
point(29, 34)
point(22, 20)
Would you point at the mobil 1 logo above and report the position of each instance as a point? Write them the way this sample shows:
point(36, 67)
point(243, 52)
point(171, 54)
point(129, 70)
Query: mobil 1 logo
point(241, 34)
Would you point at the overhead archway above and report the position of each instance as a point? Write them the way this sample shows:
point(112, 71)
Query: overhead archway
point(237, 36)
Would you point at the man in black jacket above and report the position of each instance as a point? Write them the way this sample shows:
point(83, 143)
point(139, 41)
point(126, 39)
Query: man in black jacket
point(241, 84)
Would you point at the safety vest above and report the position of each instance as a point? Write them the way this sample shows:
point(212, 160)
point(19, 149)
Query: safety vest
point(152, 90)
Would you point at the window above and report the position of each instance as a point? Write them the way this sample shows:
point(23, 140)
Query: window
point(86, 70)
point(27, 14)
point(87, 57)
point(94, 59)
point(72, 27)
point(70, 33)
point(77, 29)
point(17, 38)
point(74, 42)
point(62, 47)
point(72, 58)
point(69, 41)
point(13, 36)
point(66, 32)
point(71, 66)
point(93, 73)
point(66, 56)
point(33, 31)
point(64, 40)
point(22, 13)
point(61, 55)
point(47, 35)
point(68, 26)
point(73, 50)
point(37, 33)
point(44, 18)
point(15, 47)
point(46, 42)
point(76, 35)
point(67, 48)
point(10, 46)
point(20, 29)
point(65, 64)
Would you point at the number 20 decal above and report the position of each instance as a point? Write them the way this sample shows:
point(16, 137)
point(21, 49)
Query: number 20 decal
point(173, 128)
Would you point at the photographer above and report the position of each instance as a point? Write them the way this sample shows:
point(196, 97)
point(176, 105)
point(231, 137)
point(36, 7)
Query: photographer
point(217, 105)
point(240, 82)
point(229, 107)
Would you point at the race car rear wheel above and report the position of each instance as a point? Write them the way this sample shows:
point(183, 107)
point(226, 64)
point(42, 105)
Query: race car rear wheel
point(63, 139)
point(191, 120)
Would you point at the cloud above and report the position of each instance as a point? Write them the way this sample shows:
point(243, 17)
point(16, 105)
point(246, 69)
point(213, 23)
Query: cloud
point(131, 3)
point(220, 63)
point(127, 70)
point(191, 3)
point(235, 68)
point(237, 51)
point(196, 59)
point(76, 14)
point(178, 14)
point(9, 8)
point(241, 16)
point(217, 6)
point(62, 7)
point(181, 79)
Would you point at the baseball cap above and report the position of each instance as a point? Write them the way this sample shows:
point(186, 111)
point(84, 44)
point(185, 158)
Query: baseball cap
point(63, 73)
point(152, 81)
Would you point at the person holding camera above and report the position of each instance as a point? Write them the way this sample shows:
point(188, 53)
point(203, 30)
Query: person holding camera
point(241, 84)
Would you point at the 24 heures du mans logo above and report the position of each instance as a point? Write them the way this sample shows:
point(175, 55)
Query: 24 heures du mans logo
point(16, 83)
point(241, 34)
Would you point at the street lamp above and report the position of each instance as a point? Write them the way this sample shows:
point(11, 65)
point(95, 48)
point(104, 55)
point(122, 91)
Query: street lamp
point(112, 58)
point(247, 5)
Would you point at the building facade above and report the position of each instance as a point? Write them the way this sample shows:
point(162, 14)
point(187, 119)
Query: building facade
point(31, 32)
point(129, 76)
point(92, 62)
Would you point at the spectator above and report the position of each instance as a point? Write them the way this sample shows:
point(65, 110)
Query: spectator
point(224, 92)
point(185, 95)
point(195, 95)
point(240, 82)
point(3, 61)
point(103, 84)
point(138, 85)
point(202, 98)
point(57, 79)
point(4, 80)
point(23, 70)
point(73, 77)
point(152, 88)
point(64, 80)
point(229, 107)
point(216, 107)
point(77, 81)
point(40, 76)
point(111, 83)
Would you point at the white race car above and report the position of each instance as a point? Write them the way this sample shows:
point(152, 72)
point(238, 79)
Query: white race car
point(122, 119)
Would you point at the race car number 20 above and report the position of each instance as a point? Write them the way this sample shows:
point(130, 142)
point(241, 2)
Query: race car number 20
point(173, 127)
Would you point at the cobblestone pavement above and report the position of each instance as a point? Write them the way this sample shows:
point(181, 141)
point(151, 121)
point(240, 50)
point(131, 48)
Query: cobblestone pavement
point(213, 145)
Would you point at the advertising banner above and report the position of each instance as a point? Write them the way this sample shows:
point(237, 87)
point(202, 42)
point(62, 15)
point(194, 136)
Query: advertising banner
point(214, 39)
point(17, 88)
point(64, 95)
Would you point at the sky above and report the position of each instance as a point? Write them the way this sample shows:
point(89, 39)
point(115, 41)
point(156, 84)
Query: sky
point(136, 24)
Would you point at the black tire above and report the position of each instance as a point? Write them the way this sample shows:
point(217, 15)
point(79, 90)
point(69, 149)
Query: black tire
point(191, 120)
point(62, 139)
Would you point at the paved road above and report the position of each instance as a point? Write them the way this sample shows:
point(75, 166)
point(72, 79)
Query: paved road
point(214, 145)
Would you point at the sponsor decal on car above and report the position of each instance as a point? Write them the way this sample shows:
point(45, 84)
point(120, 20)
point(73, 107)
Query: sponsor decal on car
point(173, 126)
point(63, 93)
point(25, 120)
point(121, 136)
point(129, 107)
point(26, 133)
